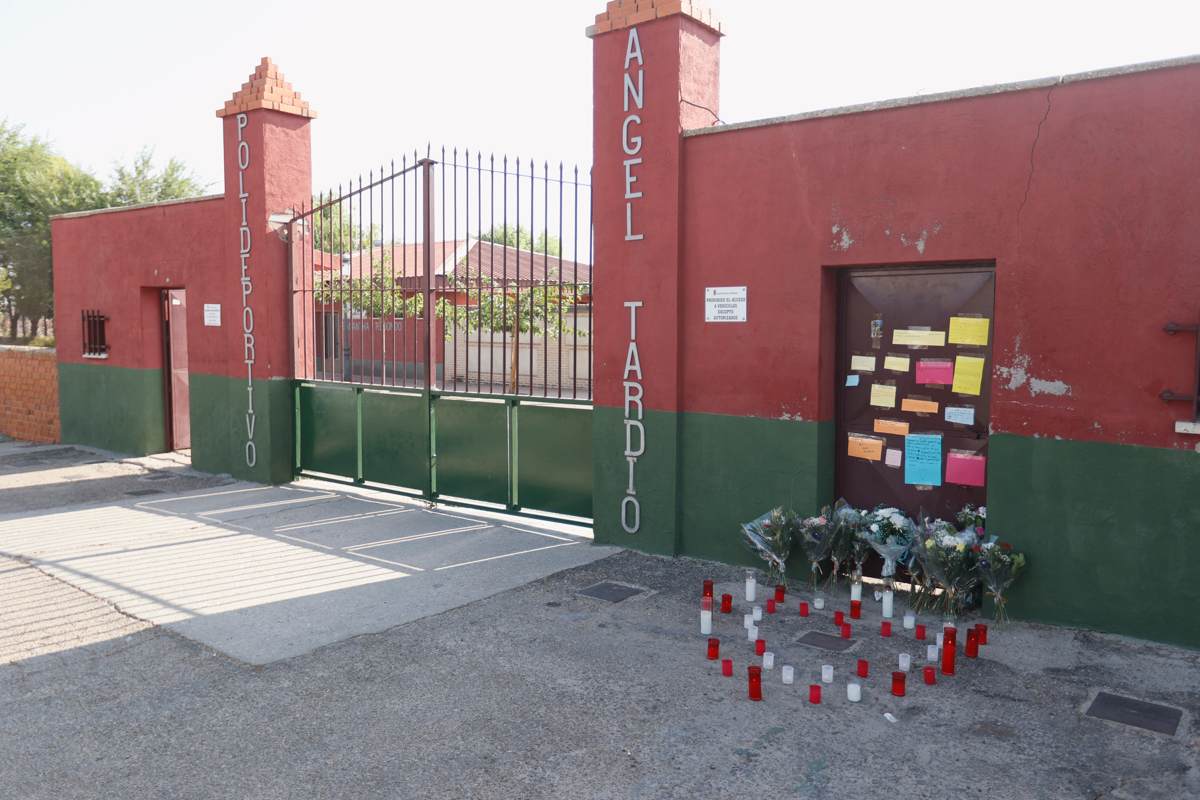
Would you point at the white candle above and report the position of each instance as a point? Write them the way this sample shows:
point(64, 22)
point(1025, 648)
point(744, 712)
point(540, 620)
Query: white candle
point(856, 591)
point(751, 587)
point(905, 662)
point(887, 604)
point(757, 613)
point(910, 620)
point(747, 620)
point(751, 633)
point(768, 660)
point(827, 673)
point(941, 639)
point(853, 692)
point(788, 674)
point(818, 602)
point(705, 621)
point(931, 653)
point(878, 596)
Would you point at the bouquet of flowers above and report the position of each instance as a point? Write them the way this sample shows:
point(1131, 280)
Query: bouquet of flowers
point(998, 566)
point(972, 518)
point(771, 537)
point(816, 537)
point(949, 558)
point(890, 533)
point(924, 583)
point(851, 524)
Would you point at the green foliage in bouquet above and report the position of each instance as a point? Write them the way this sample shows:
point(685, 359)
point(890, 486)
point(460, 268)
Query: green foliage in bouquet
point(999, 565)
point(771, 537)
point(817, 537)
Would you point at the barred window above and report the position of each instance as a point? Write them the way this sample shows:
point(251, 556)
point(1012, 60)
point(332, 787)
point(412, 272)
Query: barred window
point(95, 335)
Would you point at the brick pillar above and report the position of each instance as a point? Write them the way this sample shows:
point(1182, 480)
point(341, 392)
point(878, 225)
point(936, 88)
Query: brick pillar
point(656, 73)
point(245, 400)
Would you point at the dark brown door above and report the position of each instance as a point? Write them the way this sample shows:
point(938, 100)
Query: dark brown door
point(912, 431)
point(175, 350)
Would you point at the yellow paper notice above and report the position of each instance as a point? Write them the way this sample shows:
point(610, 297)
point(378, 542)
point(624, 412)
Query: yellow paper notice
point(919, 338)
point(883, 395)
point(969, 330)
point(968, 375)
point(891, 426)
point(862, 363)
point(896, 363)
point(919, 406)
point(865, 447)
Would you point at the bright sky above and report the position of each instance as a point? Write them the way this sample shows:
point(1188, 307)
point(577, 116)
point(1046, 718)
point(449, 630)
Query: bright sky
point(100, 80)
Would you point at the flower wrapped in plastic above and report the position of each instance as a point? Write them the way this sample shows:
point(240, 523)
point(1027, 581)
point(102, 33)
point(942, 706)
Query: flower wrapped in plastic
point(998, 566)
point(890, 533)
point(924, 594)
point(973, 519)
point(771, 537)
point(816, 537)
point(949, 558)
point(851, 523)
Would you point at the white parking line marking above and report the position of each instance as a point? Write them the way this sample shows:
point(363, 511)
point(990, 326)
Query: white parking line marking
point(345, 518)
point(414, 537)
point(506, 555)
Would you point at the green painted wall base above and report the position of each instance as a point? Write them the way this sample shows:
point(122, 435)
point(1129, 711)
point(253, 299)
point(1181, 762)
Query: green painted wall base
point(218, 406)
point(113, 408)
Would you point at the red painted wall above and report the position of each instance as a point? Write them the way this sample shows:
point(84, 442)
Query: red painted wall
point(1083, 193)
point(101, 261)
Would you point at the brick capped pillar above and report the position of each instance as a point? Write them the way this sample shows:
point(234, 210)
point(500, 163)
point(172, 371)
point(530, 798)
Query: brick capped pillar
point(656, 73)
point(245, 397)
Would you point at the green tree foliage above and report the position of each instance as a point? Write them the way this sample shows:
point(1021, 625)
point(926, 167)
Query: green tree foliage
point(521, 239)
point(141, 183)
point(334, 230)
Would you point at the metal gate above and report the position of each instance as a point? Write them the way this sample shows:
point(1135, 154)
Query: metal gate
point(441, 322)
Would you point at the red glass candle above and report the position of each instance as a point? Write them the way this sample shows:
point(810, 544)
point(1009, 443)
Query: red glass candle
point(981, 632)
point(845, 630)
point(727, 667)
point(972, 648)
point(770, 606)
point(930, 675)
point(714, 648)
point(898, 683)
point(948, 654)
point(839, 618)
point(708, 590)
point(706, 603)
point(726, 603)
point(760, 646)
point(863, 668)
point(755, 676)
point(803, 609)
point(856, 609)
point(885, 628)
point(814, 694)
point(780, 593)
point(920, 633)
point(950, 636)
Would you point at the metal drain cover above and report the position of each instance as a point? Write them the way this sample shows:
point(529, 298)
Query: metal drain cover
point(143, 492)
point(610, 592)
point(1138, 713)
point(824, 641)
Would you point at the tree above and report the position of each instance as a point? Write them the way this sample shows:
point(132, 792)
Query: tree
point(140, 183)
point(521, 239)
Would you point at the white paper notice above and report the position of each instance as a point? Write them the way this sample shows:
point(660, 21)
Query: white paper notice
point(725, 304)
point(892, 459)
point(212, 315)
point(963, 415)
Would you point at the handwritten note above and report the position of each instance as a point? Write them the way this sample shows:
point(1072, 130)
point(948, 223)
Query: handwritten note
point(852, 380)
point(892, 459)
point(919, 406)
point(891, 426)
point(883, 395)
point(923, 459)
point(896, 363)
point(963, 415)
point(939, 371)
point(968, 375)
point(919, 338)
point(865, 447)
point(969, 330)
point(966, 469)
point(862, 363)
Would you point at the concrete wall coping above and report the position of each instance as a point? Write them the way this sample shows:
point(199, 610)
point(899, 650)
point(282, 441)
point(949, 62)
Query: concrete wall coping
point(140, 206)
point(958, 94)
point(24, 348)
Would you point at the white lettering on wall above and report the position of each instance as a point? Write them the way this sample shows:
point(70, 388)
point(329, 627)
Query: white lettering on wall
point(634, 92)
point(247, 286)
point(635, 431)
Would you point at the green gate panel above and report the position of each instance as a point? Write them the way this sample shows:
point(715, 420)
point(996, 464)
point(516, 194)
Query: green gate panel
point(329, 430)
point(554, 459)
point(471, 443)
point(395, 440)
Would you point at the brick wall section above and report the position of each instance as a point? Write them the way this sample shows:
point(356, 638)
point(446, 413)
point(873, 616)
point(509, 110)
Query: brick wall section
point(29, 394)
point(626, 13)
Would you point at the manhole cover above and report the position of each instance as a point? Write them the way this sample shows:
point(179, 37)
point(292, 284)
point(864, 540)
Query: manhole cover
point(1138, 713)
point(824, 641)
point(612, 592)
point(143, 492)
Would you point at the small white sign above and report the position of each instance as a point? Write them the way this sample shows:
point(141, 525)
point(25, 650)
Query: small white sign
point(725, 304)
point(212, 315)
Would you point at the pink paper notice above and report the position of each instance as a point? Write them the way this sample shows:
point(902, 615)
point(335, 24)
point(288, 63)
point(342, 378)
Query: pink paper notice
point(935, 371)
point(966, 470)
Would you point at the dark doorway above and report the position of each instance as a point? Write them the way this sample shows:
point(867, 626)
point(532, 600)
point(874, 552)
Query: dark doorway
point(908, 398)
point(175, 369)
